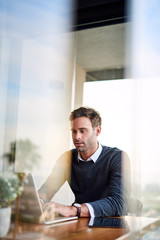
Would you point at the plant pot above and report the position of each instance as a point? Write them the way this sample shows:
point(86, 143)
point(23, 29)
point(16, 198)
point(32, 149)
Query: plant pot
point(5, 219)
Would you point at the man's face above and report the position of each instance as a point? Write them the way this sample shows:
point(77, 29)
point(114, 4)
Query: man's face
point(83, 134)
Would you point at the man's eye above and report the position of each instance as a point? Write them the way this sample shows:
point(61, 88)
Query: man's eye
point(82, 131)
point(73, 132)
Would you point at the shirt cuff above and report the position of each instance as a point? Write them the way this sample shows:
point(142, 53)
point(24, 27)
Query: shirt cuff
point(91, 210)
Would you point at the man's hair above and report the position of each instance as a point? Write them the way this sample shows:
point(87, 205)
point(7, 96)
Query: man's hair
point(90, 113)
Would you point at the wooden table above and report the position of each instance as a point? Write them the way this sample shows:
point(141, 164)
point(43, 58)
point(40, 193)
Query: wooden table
point(79, 230)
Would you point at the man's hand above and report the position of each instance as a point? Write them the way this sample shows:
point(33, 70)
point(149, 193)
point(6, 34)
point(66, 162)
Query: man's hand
point(51, 209)
point(61, 209)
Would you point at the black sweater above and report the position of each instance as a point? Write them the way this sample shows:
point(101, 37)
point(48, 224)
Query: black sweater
point(104, 184)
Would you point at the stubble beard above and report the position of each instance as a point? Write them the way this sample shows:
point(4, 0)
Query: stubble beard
point(81, 149)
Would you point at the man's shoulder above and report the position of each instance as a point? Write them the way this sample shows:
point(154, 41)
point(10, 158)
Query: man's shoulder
point(69, 155)
point(65, 157)
point(107, 149)
point(114, 154)
point(110, 154)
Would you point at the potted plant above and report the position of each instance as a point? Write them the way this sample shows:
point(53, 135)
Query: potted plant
point(11, 186)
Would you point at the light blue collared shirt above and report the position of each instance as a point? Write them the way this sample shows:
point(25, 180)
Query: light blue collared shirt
point(93, 158)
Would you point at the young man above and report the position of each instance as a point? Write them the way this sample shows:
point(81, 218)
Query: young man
point(99, 176)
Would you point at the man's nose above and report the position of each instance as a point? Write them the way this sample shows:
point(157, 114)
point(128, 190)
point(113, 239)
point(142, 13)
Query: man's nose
point(78, 135)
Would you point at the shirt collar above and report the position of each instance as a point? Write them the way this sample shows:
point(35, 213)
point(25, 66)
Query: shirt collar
point(94, 157)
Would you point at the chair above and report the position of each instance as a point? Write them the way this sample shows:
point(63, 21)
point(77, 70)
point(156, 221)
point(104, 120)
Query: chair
point(135, 207)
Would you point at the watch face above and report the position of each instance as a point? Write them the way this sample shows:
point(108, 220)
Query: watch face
point(77, 205)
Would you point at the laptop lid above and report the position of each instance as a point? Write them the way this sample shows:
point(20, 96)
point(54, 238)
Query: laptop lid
point(30, 208)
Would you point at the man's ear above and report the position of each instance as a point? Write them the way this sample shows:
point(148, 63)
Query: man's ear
point(98, 130)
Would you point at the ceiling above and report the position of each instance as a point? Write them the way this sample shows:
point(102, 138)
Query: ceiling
point(94, 13)
point(101, 51)
point(101, 38)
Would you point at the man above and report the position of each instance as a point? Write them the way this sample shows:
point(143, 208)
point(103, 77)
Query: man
point(99, 176)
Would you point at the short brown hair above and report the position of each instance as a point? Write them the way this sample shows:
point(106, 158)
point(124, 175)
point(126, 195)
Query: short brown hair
point(90, 113)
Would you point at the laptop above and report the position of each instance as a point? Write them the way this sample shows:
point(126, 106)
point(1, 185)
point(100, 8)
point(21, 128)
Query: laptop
point(30, 209)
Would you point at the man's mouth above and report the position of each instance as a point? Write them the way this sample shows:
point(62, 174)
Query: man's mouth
point(78, 144)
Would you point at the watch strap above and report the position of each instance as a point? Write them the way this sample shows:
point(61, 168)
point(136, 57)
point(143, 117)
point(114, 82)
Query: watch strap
point(78, 211)
point(78, 206)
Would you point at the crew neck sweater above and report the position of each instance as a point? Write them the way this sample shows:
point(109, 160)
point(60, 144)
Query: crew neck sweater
point(105, 184)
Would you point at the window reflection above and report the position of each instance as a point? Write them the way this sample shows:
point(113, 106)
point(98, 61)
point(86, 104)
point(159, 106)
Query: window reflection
point(35, 87)
point(145, 58)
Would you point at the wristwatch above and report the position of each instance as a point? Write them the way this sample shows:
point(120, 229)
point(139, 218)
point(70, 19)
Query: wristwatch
point(78, 206)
